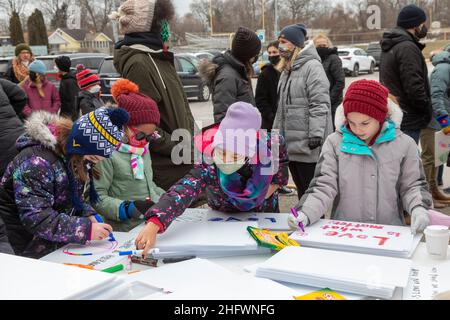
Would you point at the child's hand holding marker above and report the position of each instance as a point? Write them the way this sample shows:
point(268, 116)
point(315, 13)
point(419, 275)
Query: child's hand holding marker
point(146, 239)
point(99, 229)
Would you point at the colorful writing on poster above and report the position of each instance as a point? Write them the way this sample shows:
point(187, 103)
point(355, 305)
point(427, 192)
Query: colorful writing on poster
point(427, 282)
point(98, 254)
point(442, 148)
point(361, 235)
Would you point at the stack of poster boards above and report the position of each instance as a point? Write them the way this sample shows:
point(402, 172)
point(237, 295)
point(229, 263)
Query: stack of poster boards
point(200, 279)
point(272, 221)
point(360, 274)
point(425, 283)
point(391, 241)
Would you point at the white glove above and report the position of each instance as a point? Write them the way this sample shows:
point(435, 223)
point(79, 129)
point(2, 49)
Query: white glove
point(294, 222)
point(420, 219)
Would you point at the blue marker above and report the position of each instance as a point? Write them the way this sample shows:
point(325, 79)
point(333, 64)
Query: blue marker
point(100, 220)
point(137, 252)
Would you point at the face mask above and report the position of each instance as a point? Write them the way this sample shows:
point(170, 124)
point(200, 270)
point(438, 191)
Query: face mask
point(274, 60)
point(421, 33)
point(227, 168)
point(95, 89)
point(323, 53)
point(33, 76)
point(285, 52)
point(138, 140)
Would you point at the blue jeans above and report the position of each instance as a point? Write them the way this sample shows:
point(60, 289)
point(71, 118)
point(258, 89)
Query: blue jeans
point(415, 134)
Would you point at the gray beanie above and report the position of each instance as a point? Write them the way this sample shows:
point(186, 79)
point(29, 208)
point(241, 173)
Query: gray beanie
point(135, 16)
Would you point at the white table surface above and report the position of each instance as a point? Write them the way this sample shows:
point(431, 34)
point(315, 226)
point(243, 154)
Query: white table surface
point(237, 264)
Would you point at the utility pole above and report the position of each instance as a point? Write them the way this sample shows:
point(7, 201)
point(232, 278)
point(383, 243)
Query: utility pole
point(263, 14)
point(276, 19)
point(211, 17)
point(114, 24)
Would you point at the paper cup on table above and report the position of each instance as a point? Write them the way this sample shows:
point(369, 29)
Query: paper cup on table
point(437, 239)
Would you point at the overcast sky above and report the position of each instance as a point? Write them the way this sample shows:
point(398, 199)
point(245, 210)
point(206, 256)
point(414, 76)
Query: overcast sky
point(182, 6)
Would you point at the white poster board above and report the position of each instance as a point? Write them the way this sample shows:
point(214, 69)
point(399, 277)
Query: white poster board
point(427, 282)
point(359, 237)
point(442, 148)
point(98, 254)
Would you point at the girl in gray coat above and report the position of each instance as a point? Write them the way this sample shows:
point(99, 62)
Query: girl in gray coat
point(369, 171)
point(304, 111)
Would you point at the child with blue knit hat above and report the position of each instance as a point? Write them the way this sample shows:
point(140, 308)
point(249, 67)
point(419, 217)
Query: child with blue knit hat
point(42, 189)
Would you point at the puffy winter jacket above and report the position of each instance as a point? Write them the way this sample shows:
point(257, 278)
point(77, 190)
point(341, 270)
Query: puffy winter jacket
point(304, 109)
point(368, 184)
point(440, 87)
point(229, 83)
point(35, 195)
point(404, 72)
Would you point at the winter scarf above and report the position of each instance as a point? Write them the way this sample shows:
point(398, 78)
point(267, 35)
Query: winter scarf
point(137, 160)
point(147, 39)
point(247, 194)
point(20, 71)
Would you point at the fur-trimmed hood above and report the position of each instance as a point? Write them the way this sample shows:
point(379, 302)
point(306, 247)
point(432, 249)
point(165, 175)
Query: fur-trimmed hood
point(209, 69)
point(38, 131)
point(394, 113)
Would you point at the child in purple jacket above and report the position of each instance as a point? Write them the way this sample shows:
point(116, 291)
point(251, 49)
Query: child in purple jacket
point(242, 170)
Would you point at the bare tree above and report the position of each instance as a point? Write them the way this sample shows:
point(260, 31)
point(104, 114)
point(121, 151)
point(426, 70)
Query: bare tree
point(297, 9)
point(10, 6)
point(98, 12)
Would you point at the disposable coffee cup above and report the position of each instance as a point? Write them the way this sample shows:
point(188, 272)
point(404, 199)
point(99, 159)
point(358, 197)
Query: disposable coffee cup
point(437, 239)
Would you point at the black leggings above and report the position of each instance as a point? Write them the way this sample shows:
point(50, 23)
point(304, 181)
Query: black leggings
point(302, 173)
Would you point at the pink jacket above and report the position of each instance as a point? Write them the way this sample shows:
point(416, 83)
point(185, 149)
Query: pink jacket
point(49, 103)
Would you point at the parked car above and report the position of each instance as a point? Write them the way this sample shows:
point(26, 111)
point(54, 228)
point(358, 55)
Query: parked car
point(4, 65)
point(258, 65)
point(355, 60)
point(186, 66)
point(89, 60)
point(193, 84)
point(204, 55)
point(374, 50)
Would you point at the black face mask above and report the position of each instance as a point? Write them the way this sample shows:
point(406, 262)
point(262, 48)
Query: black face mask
point(274, 60)
point(422, 32)
point(33, 76)
point(323, 53)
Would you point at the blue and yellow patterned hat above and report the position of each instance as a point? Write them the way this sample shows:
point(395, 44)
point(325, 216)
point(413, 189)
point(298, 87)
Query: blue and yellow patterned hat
point(97, 133)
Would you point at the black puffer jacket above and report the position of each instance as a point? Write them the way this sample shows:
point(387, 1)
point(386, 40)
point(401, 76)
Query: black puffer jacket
point(88, 102)
point(68, 92)
point(266, 95)
point(12, 101)
point(5, 247)
point(404, 72)
point(229, 83)
point(335, 74)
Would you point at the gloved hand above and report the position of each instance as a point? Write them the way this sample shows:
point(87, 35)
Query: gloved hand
point(142, 206)
point(444, 121)
point(420, 219)
point(293, 221)
point(315, 143)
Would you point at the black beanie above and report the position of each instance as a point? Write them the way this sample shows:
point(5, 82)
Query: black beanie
point(411, 16)
point(246, 45)
point(295, 33)
point(63, 63)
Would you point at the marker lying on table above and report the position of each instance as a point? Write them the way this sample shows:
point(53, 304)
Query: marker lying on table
point(80, 266)
point(114, 269)
point(100, 220)
point(138, 252)
point(300, 224)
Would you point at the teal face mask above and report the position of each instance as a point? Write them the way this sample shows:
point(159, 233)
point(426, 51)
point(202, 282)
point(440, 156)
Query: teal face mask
point(165, 31)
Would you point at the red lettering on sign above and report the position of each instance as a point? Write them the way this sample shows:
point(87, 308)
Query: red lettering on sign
point(357, 230)
point(377, 227)
point(332, 233)
point(362, 236)
point(397, 234)
point(349, 235)
point(382, 241)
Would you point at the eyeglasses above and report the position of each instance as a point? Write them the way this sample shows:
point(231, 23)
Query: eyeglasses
point(139, 135)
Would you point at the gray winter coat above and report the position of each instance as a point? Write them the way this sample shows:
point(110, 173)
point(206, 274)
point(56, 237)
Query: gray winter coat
point(374, 188)
point(304, 107)
point(440, 87)
point(229, 83)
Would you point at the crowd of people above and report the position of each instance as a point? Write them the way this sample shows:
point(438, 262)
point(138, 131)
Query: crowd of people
point(66, 156)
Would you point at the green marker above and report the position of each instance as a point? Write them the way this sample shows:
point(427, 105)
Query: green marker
point(114, 269)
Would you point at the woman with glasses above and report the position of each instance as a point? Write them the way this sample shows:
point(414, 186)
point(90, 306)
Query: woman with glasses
point(125, 182)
